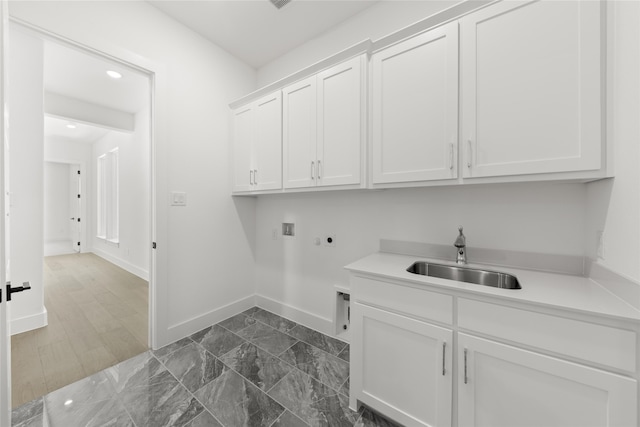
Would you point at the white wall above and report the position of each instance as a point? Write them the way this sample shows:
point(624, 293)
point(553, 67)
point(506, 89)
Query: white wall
point(132, 252)
point(205, 250)
point(26, 129)
point(373, 23)
point(546, 218)
point(614, 205)
point(56, 202)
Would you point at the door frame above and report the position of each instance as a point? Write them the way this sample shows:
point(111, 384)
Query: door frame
point(5, 333)
point(84, 211)
point(158, 289)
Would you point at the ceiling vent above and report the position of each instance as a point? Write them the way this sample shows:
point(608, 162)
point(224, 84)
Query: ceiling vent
point(279, 3)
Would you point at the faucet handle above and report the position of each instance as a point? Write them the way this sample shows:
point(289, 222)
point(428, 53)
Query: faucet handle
point(461, 240)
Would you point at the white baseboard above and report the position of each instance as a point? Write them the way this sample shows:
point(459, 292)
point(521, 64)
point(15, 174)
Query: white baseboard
point(310, 320)
point(133, 269)
point(195, 324)
point(29, 323)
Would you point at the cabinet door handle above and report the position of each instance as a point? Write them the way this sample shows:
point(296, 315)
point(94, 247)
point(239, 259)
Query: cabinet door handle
point(466, 379)
point(469, 153)
point(313, 170)
point(451, 156)
point(250, 177)
point(319, 168)
point(255, 176)
point(444, 346)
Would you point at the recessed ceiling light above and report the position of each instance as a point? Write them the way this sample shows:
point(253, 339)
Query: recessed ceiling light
point(68, 402)
point(71, 126)
point(114, 74)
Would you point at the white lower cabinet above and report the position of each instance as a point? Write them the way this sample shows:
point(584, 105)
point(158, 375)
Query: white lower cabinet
point(500, 385)
point(529, 368)
point(404, 368)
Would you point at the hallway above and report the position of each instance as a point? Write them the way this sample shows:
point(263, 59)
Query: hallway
point(98, 317)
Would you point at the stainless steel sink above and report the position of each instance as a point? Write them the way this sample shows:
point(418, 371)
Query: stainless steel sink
point(464, 274)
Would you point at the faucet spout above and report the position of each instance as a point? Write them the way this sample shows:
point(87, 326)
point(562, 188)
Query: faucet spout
point(461, 245)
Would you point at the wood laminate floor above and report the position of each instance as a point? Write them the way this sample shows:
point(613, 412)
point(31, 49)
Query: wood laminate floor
point(98, 317)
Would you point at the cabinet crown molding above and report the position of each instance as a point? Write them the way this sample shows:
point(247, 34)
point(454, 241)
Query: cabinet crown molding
point(348, 53)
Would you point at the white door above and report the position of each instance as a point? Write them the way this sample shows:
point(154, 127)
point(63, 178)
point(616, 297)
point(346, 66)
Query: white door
point(5, 340)
point(340, 107)
point(267, 145)
point(299, 134)
point(531, 88)
point(415, 108)
point(402, 367)
point(75, 200)
point(504, 386)
point(242, 142)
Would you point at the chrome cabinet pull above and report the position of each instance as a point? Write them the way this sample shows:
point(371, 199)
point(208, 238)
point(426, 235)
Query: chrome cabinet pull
point(451, 156)
point(255, 176)
point(444, 346)
point(466, 379)
point(313, 170)
point(250, 177)
point(469, 153)
point(319, 168)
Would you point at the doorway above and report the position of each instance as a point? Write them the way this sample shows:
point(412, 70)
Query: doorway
point(97, 219)
point(62, 208)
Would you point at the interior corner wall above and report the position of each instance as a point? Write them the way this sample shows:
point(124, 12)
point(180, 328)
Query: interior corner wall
point(132, 251)
point(207, 247)
point(26, 185)
point(614, 204)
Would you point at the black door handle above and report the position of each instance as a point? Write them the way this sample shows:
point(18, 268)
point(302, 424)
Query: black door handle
point(11, 289)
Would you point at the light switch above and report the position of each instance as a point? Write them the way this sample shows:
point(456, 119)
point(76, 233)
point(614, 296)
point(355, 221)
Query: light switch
point(178, 199)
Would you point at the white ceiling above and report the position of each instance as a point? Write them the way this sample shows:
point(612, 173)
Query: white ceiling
point(82, 76)
point(255, 31)
point(55, 127)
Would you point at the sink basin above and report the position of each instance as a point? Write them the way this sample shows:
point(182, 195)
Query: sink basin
point(464, 274)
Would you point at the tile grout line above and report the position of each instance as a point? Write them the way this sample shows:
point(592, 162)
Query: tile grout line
point(186, 389)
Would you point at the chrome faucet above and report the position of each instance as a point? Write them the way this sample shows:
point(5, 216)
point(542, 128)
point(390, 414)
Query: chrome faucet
point(461, 245)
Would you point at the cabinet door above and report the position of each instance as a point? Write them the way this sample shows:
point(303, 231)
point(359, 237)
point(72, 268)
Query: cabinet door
point(340, 124)
point(242, 146)
point(401, 367)
point(415, 108)
point(531, 88)
point(267, 147)
point(299, 134)
point(503, 386)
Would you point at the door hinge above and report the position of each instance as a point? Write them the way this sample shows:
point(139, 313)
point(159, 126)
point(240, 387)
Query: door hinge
point(153, 245)
point(78, 172)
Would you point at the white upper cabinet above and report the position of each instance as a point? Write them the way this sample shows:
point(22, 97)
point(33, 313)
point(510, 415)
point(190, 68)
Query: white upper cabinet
point(340, 107)
point(415, 108)
point(242, 146)
point(257, 145)
point(267, 147)
point(322, 119)
point(531, 88)
point(299, 134)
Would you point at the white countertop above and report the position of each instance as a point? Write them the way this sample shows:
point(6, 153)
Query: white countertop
point(575, 293)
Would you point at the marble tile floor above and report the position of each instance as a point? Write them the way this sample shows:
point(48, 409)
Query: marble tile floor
point(253, 369)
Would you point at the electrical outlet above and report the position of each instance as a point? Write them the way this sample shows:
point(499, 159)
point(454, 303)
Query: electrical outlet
point(600, 244)
point(329, 240)
point(274, 234)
